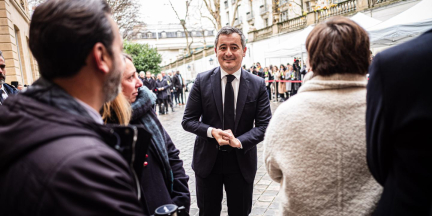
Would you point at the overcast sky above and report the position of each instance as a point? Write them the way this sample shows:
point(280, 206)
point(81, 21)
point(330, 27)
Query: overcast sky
point(156, 11)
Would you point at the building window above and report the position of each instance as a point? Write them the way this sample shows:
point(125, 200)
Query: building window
point(18, 45)
point(266, 24)
point(163, 34)
point(284, 15)
point(227, 16)
point(226, 4)
point(308, 7)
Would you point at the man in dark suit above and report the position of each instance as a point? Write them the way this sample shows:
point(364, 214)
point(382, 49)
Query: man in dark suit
point(179, 85)
point(149, 82)
point(398, 127)
point(223, 106)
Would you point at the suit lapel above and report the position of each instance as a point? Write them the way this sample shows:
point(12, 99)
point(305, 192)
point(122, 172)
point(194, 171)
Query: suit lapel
point(217, 91)
point(242, 96)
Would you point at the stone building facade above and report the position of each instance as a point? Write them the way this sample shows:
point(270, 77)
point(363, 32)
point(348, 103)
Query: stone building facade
point(21, 66)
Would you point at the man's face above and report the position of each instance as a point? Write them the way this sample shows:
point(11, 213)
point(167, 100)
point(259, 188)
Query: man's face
point(142, 74)
point(258, 65)
point(112, 83)
point(229, 52)
point(159, 76)
point(2, 71)
point(169, 74)
point(163, 73)
point(148, 74)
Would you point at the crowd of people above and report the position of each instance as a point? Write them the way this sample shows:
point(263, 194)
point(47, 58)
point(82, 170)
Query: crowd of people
point(281, 82)
point(168, 88)
point(85, 139)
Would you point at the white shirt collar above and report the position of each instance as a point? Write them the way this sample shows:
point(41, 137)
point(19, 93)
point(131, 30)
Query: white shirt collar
point(237, 74)
point(92, 112)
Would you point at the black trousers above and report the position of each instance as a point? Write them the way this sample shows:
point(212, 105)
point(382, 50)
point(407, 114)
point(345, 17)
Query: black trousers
point(179, 96)
point(165, 102)
point(226, 172)
point(170, 102)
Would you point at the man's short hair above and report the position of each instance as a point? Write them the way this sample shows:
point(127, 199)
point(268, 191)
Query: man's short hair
point(227, 30)
point(338, 45)
point(62, 34)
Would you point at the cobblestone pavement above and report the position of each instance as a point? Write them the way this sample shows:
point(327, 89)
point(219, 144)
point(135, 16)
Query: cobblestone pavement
point(265, 190)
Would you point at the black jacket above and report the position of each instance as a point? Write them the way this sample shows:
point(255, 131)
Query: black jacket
point(56, 163)
point(204, 109)
point(154, 184)
point(176, 81)
point(163, 93)
point(149, 83)
point(398, 127)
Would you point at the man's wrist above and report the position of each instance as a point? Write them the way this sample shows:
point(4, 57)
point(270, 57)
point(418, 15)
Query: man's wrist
point(209, 132)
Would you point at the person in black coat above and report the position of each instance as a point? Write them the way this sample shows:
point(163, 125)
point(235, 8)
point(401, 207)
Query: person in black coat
point(398, 123)
point(149, 82)
point(162, 95)
point(179, 85)
point(162, 177)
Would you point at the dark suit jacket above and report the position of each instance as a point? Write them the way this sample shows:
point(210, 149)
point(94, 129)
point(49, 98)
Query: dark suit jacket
point(204, 109)
point(398, 127)
point(176, 81)
point(151, 85)
point(163, 94)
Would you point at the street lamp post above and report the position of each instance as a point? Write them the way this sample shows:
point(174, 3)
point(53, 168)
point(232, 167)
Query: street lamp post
point(211, 61)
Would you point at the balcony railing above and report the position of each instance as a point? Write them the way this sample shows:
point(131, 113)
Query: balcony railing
point(263, 10)
point(249, 16)
point(341, 8)
point(292, 24)
point(263, 33)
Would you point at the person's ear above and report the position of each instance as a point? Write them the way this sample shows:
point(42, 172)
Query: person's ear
point(244, 51)
point(216, 51)
point(103, 60)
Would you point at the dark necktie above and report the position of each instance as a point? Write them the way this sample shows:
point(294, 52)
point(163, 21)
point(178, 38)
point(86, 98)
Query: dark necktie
point(229, 104)
point(229, 108)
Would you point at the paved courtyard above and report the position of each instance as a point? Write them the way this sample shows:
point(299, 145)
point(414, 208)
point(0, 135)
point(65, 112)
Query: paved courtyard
point(265, 190)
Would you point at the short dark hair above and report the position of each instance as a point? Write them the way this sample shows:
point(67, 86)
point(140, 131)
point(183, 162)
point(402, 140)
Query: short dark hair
point(62, 34)
point(227, 30)
point(338, 45)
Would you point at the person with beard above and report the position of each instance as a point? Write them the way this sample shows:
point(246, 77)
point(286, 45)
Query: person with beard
point(160, 88)
point(163, 178)
point(5, 89)
point(56, 156)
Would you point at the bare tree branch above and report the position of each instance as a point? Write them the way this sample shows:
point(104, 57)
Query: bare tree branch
point(123, 12)
point(183, 24)
point(235, 12)
point(215, 13)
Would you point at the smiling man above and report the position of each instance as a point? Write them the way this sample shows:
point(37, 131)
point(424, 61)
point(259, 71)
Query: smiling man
point(224, 105)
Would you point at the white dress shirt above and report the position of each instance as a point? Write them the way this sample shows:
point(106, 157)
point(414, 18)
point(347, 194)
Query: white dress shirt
point(235, 84)
point(3, 93)
point(92, 112)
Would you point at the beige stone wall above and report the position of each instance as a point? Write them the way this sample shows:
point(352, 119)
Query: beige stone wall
point(14, 33)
